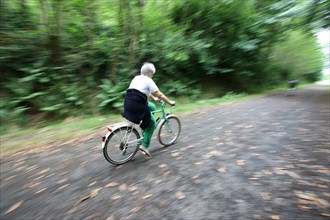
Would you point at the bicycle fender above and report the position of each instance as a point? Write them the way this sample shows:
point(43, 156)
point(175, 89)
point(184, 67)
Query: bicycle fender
point(111, 129)
point(106, 138)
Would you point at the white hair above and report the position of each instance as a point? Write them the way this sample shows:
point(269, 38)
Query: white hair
point(147, 68)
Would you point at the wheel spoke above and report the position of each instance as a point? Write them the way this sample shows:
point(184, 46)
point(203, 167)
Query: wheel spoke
point(169, 131)
point(122, 145)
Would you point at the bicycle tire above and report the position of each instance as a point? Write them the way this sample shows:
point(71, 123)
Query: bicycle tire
point(113, 148)
point(169, 130)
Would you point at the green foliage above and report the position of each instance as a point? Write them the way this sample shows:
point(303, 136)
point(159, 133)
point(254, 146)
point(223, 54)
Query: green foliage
point(62, 58)
point(299, 57)
point(230, 96)
point(111, 96)
point(317, 14)
point(176, 88)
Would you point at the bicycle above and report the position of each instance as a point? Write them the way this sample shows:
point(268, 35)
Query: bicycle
point(121, 142)
point(292, 86)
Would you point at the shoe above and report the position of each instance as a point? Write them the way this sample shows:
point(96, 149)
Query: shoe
point(145, 151)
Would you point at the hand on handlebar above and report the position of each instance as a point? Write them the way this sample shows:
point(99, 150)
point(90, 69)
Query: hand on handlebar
point(172, 103)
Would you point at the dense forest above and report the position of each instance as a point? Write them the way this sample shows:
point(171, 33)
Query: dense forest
point(61, 58)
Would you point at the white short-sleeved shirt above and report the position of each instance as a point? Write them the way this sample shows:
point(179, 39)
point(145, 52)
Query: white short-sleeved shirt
point(144, 84)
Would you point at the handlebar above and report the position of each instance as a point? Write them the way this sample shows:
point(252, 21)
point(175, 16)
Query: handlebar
point(163, 103)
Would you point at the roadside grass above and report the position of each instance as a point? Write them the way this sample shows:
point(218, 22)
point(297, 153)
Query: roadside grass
point(73, 128)
point(186, 106)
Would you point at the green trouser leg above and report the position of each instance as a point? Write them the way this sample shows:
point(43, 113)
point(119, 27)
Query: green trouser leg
point(148, 132)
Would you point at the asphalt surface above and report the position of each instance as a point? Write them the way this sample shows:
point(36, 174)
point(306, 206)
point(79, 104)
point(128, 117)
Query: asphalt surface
point(264, 158)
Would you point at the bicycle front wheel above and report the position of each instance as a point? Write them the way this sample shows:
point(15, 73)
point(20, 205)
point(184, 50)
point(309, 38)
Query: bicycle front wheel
point(122, 145)
point(169, 130)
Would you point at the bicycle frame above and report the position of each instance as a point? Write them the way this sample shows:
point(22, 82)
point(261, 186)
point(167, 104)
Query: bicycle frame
point(162, 110)
point(132, 126)
point(164, 116)
point(126, 137)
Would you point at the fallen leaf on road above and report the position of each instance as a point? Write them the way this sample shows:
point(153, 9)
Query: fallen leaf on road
point(64, 173)
point(304, 208)
point(265, 196)
point(95, 192)
point(276, 217)
point(198, 163)
point(134, 210)
point(136, 192)
point(132, 188)
point(115, 197)
point(214, 153)
point(175, 154)
point(253, 178)
point(122, 187)
point(93, 183)
point(292, 174)
point(11, 177)
point(85, 198)
point(324, 171)
point(195, 177)
point(146, 197)
point(62, 187)
point(31, 185)
point(40, 177)
point(180, 195)
point(240, 162)
point(189, 147)
point(157, 181)
point(62, 181)
point(92, 194)
point(312, 199)
point(279, 170)
point(162, 165)
point(15, 206)
point(112, 185)
point(32, 168)
point(267, 172)
point(239, 200)
point(325, 214)
point(41, 172)
point(111, 218)
point(222, 169)
point(73, 210)
point(40, 191)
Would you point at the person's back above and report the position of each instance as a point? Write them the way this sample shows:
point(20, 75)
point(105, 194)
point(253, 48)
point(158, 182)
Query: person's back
point(293, 84)
point(136, 107)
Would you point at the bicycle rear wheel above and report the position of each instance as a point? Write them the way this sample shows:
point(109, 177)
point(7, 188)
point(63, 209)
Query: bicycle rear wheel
point(122, 145)
point(169, 130)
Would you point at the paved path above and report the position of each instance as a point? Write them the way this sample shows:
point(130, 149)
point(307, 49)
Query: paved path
point(265, 158)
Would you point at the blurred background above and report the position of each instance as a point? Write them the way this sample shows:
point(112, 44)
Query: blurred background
point(61, 59)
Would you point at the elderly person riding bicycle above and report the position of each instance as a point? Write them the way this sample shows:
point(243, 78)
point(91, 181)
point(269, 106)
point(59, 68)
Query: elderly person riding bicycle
point(136, 106)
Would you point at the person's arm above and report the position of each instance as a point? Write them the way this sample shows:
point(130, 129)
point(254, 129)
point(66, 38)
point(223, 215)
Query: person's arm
point(163, 97)
point(154, 98)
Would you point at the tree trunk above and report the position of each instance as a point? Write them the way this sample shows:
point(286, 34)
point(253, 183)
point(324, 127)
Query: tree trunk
point(89, 24)
point(44, 16)
point(55, 35)
point(136, 31)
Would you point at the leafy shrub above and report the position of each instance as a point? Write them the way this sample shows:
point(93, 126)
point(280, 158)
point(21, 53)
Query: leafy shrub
point(111, 96)
point(177, 88)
